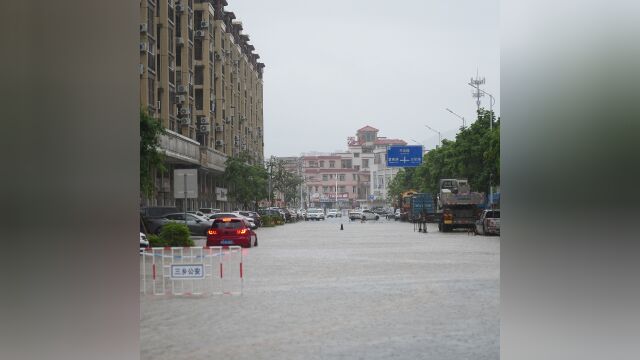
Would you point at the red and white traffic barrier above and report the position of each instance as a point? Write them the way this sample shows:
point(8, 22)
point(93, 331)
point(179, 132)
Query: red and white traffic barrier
point(192, 270)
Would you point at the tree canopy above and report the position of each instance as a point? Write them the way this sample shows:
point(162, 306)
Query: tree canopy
point(473, 155)
point(247, 182)
point(150, 157)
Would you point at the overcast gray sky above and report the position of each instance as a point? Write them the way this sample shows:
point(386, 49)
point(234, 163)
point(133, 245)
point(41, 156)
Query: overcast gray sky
point(334, 67)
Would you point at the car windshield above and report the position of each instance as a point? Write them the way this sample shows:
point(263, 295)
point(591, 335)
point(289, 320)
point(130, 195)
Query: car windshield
point(493, 214)
point(233, 223)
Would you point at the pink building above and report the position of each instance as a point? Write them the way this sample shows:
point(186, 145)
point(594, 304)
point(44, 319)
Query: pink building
point(324, 174)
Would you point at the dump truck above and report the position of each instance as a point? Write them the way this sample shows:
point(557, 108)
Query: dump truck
point(405, 204)
point(422, 202)
point(457, 205)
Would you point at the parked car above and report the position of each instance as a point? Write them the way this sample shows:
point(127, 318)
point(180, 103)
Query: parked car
point(199, 213)
point(233, 215)
point(302, 214)
point(197, 225)
point(489, 223)
point(315, 214)
point(227, 231)
point(254, 216)
point(396, 215)
point(209, 211)
point(369, 215)
point(333, 213)
point(355, 215)
point(144, 243)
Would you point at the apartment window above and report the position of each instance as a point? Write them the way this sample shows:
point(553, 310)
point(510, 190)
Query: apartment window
point(150, 24)
point(332, 163)
point(190, 57)
point(199, 75)
point(354, 177)
point(197, 43)
point(346, 164)
point(178, 59)
point(365, 163)
point(341, 177)
point(325, 177)
point(356, 167)
point(355, 155)
point(170, 35)
point(341, 189)
point(353, 189)
point(151, 88)
point(321, 163)
point(199, 99)
point(178, 27)
point(313, 164)
point(172, 102)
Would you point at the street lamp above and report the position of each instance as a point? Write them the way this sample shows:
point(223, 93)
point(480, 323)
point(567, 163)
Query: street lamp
point(419, 143)
point(492, 101)
point(460, 117)
point(436, 131)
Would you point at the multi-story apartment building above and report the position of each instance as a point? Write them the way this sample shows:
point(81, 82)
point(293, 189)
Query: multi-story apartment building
point(328, 177)
point(200, 76)
point(369, 153)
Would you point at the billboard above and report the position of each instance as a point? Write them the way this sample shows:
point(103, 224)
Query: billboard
point(404, 156)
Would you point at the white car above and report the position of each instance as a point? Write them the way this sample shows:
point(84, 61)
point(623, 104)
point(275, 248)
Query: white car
point(332, 213)
point(369, 215)
point(315, 214)
point(143, 241)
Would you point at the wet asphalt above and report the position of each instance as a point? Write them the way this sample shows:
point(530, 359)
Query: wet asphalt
point(375, 290)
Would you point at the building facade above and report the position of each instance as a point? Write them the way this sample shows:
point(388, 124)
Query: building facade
point(201, 78)
point(370, 154)
point(355, 178)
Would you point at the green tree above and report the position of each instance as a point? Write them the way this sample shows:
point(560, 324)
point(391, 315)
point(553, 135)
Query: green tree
point(474, 155)
point(150, 157)
point(284, 181)
point(247, 182)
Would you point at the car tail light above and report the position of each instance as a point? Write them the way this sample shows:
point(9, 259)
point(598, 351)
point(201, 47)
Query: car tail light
point(226, 219)
point(212, 232)
point(241, 231)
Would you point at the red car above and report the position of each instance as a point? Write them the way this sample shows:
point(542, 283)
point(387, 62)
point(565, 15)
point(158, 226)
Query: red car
point(231, 231)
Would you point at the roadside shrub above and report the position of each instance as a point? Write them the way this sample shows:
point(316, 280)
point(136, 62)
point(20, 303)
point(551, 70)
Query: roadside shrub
point(176, 234)
point(156, 241)
point(266, 221)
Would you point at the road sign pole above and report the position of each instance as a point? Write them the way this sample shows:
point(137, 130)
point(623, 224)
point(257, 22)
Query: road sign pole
point(185, 198)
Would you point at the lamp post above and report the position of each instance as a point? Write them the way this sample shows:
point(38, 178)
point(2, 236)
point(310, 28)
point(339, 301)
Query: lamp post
point(492, 101)
point(460, 117)
point(437, 132)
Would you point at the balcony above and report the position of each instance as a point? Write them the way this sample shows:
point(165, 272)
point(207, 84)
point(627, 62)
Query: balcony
point(212, 159)
point(179, 148)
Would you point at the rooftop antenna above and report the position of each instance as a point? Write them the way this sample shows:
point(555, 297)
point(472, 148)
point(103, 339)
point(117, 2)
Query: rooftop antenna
point(477, 93)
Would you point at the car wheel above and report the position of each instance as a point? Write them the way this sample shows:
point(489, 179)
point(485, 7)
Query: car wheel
point(250, 242)
point(377, 217)
point(256, 241)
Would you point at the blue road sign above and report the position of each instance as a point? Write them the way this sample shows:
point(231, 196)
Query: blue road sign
point(404, 156)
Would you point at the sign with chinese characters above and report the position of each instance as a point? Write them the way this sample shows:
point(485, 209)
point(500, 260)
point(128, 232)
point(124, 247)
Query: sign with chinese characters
point(185, 183)
point(404, 156)
point(187, 271)
point(221, 194)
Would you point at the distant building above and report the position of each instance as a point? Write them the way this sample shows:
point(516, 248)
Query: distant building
point(355, 178)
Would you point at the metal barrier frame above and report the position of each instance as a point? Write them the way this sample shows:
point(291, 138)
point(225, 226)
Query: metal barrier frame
point(184, 255)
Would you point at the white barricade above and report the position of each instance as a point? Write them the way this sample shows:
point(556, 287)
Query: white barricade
point(192, 270)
